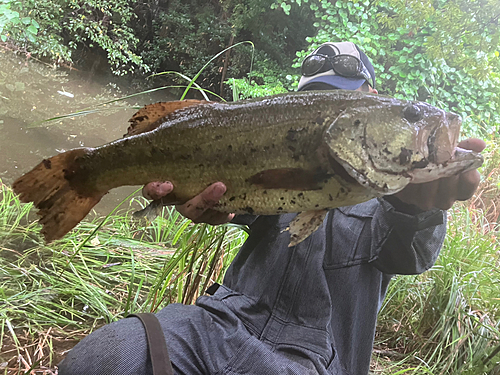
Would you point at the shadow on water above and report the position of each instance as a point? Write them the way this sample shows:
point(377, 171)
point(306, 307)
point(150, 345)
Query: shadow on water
point(31, 92)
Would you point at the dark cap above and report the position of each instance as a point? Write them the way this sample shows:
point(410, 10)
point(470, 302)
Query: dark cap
point(329, 76)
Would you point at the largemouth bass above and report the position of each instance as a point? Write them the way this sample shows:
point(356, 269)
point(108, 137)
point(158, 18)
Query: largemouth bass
point(299, 152)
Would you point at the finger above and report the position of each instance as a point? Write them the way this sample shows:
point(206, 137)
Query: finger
point(467, 185)
point(194, 208)
point(446, 194)
point(157, 190)
point(420, 195)
point(425, 199)
point(473, 144)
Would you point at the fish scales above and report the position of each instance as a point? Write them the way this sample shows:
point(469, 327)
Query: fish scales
point(308, 151)
point(231, 143)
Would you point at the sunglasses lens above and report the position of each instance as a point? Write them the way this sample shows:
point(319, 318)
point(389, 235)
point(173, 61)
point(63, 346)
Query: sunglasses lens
point(346, 66)
point(312, 65)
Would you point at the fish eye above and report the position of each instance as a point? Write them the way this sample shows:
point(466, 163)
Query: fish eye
point(412, 113)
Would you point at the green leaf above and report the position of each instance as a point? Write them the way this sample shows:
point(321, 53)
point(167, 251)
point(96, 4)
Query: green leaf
point(32, 29)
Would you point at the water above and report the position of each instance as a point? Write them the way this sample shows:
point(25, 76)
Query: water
point(31, 92)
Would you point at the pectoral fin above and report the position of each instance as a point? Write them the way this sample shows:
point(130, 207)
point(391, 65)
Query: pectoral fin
point(153, 209)
point(305, 224)
point(148, 118)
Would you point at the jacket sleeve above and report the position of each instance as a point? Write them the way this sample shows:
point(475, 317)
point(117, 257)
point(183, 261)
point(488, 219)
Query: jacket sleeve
point(246, 219)
point(409, 243)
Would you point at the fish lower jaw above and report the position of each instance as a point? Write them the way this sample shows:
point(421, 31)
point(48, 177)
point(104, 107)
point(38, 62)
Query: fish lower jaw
point(463, 161)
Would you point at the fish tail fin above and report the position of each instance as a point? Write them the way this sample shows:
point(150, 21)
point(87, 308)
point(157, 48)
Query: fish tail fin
point(60, 205)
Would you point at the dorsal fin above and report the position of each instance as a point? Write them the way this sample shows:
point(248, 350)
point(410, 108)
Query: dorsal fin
point(146, 119)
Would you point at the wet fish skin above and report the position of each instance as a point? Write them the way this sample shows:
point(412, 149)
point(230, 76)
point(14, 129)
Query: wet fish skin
point(287, 153)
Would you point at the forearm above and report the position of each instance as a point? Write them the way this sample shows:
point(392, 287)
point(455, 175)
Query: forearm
point(408, 243)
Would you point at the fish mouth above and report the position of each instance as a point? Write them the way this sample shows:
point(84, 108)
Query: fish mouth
point(442, 142)
point(462, 160)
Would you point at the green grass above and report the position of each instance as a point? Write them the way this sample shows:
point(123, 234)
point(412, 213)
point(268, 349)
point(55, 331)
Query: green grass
point(128, 266)
point(446, 321)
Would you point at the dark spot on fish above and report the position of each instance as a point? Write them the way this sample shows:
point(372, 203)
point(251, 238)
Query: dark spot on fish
point(300, 195)
point(47, 163)
point(342, 190)
point(280, 208)
point(316, 206)
point(253, 150)
point(420, 164)
point(243, 196)
point(232, 199)
point(201, 165)
point(330, 197)
point(249, 209)
point(292, 201)
point(282, 198)
point(290, 135)
point(357, 122)
point(264, 192)
point(244, 162)
point(230, 148)
point(319, 120)
point(219, 136)
point(405, 156)
point(386, 150)
point(291, 148)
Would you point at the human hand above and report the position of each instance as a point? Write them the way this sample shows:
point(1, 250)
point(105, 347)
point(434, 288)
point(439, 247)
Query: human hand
point(198, 209)
point(444, 192)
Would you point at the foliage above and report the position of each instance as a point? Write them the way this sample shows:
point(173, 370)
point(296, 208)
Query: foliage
point(63, 27)
point(127, 267)
point(266, 79)
point(447, 320)
point(187, 32)
point(428, 51)
point(11, 22)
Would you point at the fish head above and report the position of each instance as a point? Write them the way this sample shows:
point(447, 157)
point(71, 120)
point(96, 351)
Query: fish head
point(387, 145)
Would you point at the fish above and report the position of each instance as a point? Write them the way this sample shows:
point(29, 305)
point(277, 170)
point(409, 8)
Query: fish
point(304, 152)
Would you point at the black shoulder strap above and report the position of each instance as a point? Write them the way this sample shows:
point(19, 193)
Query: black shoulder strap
point(156, 344)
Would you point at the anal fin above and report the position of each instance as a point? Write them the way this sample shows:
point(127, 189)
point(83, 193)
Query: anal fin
point(305, 224)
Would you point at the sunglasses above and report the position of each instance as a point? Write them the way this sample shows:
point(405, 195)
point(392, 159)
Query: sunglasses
point(344, 65)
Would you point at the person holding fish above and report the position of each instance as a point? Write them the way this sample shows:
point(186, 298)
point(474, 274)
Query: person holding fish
point(306, 309)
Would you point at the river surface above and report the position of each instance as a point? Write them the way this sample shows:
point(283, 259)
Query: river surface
point(31, 92)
